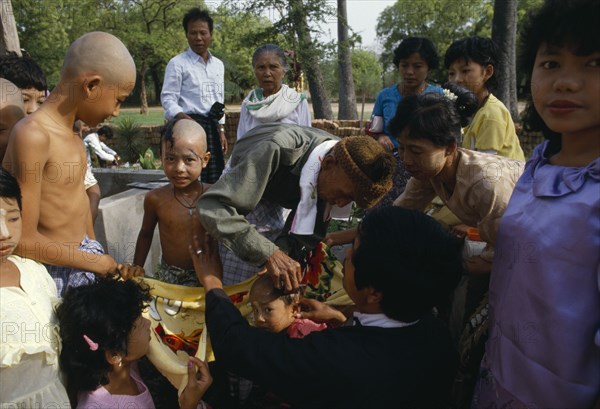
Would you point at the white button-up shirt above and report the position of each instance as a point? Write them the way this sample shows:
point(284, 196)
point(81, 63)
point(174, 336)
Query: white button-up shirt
point(192, 85)
point(92, 141)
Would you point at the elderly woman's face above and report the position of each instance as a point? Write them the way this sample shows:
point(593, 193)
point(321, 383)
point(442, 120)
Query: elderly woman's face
point(269, 73)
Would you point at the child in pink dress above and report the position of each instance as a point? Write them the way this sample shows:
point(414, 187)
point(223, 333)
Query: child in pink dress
point(104, 335)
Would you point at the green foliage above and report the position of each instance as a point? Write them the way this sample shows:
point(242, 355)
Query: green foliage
point(367, 72)
point(356, 215)
point(235, 37)
point(154, 117)
point(151, 29)
point(130, 145)
point(93, 157)
point(524, 6)
point(42, 33)
point(442, 21)
point(148, 160)
point(290, 26)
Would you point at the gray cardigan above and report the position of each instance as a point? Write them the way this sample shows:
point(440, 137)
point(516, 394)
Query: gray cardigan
point(265, 164)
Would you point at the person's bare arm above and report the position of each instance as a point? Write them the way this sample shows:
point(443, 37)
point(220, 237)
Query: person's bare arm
point(90, 226)
point(477, 266)
point(204, 252)
point(199, 379)
point(27, 159)
point(284, 271)
point(94, 194)
point(338, 238)
point(320, 312)
point(144, 240)
point(385, 140)
point(223, 139)
point(183, 115)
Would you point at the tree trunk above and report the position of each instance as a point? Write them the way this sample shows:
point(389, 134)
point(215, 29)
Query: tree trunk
point(504, 34)
point(143, 94)
point(362, 109)
point(347, 105)
point(156, 79)
point(310, 62)
point(9, 41)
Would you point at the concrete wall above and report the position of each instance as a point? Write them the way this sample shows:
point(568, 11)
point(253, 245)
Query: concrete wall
point(118, 224)
point(113, 181)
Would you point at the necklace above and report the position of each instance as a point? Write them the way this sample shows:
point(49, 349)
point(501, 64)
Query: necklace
point(190, 206)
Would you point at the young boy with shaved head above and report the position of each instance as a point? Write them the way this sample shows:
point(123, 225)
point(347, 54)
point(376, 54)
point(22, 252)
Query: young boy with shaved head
point(49, 161)
point(184, 156)
point(11, 111)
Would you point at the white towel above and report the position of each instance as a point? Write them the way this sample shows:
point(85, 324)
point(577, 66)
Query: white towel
point(306, 212)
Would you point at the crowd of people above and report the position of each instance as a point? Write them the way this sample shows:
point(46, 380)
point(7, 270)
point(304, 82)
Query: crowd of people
point(430, 321)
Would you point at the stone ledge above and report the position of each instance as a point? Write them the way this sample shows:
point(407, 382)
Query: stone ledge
point(115, 180)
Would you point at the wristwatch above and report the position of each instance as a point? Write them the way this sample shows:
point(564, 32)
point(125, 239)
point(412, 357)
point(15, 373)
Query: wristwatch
point(221, 128)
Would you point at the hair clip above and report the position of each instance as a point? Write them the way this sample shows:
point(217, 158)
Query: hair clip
point(92, 344)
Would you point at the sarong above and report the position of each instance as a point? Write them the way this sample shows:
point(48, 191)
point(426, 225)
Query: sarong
point(176, 275)
point(210, 123)
point(66, 277)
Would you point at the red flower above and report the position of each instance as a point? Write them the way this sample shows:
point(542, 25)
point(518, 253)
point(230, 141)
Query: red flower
point(314, 268)
point(237, 298)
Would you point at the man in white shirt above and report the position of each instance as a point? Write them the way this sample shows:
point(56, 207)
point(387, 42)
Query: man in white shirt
point(95, 142)
point(194, 88)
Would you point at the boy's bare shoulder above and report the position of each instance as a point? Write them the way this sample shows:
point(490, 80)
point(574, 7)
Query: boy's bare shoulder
point(30, 131)
point(29, 142)
point(160, 194)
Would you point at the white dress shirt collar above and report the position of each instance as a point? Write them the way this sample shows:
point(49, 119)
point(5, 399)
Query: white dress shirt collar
point(197, 57)
point(379, 320)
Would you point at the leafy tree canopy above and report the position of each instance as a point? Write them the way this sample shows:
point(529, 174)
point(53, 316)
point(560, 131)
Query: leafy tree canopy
point(367, 71)
point(442, 21)
point(236, 35)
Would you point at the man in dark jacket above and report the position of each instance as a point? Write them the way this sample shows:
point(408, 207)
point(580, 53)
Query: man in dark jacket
point(394, 353)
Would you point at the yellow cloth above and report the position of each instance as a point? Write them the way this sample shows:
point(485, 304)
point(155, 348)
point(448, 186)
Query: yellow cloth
point(177, 313)
point(440, 212)
point(493, 129)
point(29, 346)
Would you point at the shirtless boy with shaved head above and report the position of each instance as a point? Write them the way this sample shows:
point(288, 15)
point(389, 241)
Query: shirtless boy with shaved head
point(184, 156)
point(11, 111)
point(49, 161)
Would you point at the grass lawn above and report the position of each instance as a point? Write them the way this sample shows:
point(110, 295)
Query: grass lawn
point(155, 114)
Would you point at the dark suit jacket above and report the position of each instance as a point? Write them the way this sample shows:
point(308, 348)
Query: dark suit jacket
point(347, 367)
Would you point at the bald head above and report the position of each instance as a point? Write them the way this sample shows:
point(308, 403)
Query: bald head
point(263, 290)
point(102, 54)
point(186, 128)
